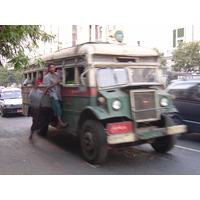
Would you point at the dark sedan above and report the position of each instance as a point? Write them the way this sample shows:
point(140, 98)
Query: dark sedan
point(187, 100)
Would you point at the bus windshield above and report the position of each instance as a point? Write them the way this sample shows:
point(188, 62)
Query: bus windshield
point(112, 76)
point(144, 75)
point(108, 77)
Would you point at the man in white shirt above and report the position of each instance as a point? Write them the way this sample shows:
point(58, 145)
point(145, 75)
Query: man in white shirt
point(52, 81)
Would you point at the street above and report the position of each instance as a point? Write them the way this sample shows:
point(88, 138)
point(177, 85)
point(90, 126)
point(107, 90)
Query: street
point(60, 154)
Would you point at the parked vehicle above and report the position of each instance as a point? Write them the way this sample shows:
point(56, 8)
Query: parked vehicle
point(1, 88)
point(110, 96)
point(187, 100)
point(172, 76)
point(10, 101)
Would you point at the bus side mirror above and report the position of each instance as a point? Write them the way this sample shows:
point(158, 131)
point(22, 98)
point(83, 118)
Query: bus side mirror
point(83, 84)
point(83, 80)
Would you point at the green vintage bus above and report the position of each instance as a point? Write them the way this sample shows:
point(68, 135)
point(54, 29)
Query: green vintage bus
point(110, 96)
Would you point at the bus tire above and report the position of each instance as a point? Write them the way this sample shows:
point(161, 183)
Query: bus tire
point(164, 144)
point(43, 131)
point(94, 142)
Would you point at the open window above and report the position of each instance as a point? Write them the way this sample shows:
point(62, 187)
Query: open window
point(27, 79)
point(72, 75)
point(34, 75)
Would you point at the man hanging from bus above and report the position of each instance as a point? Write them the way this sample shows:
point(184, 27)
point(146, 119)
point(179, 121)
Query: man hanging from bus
point(52, 81)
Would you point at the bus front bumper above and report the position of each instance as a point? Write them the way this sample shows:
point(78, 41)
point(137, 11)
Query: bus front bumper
point(145, 134)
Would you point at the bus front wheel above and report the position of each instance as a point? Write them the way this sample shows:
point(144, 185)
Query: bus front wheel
point(93, 142)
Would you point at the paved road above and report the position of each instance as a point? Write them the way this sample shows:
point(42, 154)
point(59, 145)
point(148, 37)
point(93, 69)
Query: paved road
point(60, 154)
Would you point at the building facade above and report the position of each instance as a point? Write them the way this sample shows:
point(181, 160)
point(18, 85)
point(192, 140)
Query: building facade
point(71, 35)
point(181, 34)
point(186, 34)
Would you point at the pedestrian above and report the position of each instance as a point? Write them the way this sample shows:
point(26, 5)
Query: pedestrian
point(40, 78)
point(52, 81)
point(35, 97)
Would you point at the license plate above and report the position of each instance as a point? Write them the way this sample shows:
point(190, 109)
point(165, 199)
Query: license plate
point(19, 111)
point(121, 138)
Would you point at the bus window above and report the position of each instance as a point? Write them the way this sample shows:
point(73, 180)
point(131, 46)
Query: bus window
point(34, 74)
point(29, 76)
point(70, 75)
point(25, 79)
point(143, 75)
point(112, 77)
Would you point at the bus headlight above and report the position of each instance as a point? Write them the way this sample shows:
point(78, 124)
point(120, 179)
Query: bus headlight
point(164, 102)
point(116, 105)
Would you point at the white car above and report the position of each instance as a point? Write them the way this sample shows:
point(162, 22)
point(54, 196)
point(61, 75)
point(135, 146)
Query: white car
point(10, 101)
point(1, 88)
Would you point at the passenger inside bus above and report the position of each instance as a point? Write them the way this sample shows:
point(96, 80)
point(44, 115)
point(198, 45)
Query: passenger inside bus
point(40, 78)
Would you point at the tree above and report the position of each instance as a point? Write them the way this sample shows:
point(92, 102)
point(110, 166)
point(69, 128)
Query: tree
point(9, 77)
point(187, 57)
point(163, 61)
point(17, 41)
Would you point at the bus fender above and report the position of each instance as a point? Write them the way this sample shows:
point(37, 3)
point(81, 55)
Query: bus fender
point(92, 112)
point(96, 112)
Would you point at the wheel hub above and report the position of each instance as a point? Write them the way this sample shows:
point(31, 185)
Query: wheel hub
point(88, 142)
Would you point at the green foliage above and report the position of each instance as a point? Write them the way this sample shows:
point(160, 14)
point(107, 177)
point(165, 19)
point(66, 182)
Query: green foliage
point(39, 61)
point(17, 41)
point(20, 61)
point(7, 77)
point(163, 61)
point(187, 57)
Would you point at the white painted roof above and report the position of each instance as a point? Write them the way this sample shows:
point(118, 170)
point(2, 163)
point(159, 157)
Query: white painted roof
point(93, 48)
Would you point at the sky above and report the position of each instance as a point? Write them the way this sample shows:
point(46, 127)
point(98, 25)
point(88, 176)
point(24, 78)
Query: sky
point(149, 21)
point(153, 21)
point(149, 36)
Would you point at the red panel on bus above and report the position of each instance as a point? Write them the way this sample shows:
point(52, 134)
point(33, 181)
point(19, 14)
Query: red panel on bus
point(76, 92)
